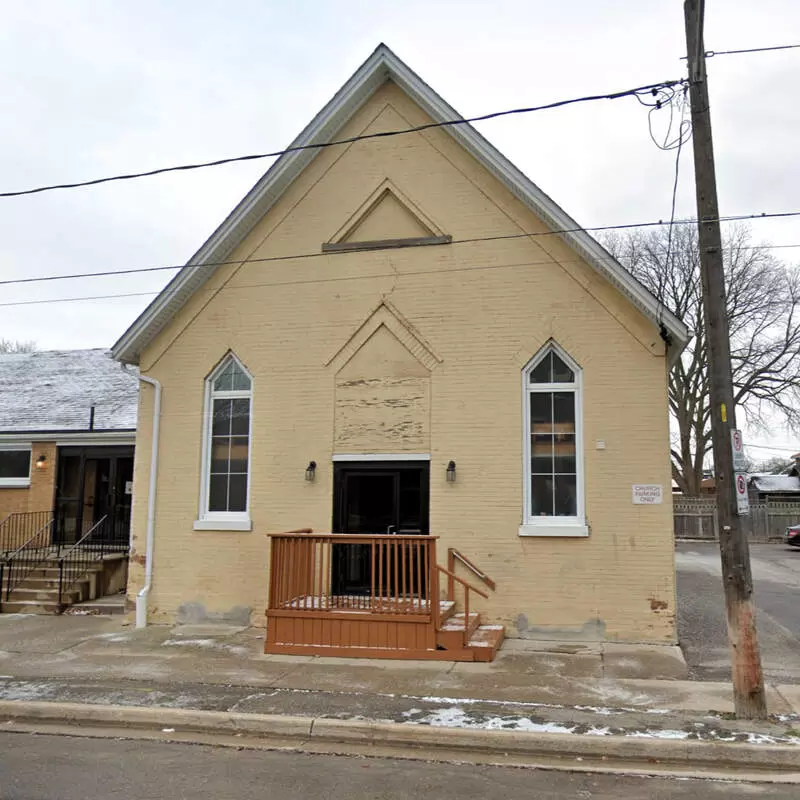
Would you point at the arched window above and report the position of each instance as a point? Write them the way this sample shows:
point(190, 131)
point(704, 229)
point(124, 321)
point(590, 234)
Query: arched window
point(553, 448)
point(226, 448)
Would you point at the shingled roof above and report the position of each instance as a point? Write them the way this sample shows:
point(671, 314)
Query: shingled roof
point(55, 390)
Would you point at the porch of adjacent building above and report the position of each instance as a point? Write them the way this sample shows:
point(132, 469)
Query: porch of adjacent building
point(78, 550)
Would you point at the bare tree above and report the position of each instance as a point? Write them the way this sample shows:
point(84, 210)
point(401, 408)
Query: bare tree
point(11, 346)
point(774, 465)
point(764, 316)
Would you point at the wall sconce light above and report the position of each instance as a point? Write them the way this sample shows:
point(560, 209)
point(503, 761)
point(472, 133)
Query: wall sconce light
point(311, 470)
point(41, 462)
point(451, 472)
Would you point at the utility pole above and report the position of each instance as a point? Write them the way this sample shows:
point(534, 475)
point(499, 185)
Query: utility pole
point(748, 680)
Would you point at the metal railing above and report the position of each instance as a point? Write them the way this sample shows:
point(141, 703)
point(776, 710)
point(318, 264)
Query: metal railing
point(17, 528)
point(397, 573)
point(77, 560)
point(18, 564)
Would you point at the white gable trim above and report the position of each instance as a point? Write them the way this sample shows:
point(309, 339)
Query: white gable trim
point(381, 66)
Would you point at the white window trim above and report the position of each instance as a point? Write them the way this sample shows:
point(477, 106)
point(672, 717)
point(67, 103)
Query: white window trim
point(553, 526)
point(18, 483)
point(223, 520)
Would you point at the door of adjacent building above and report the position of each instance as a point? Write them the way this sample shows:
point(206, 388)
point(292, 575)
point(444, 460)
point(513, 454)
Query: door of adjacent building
point(93, 483)
point(375, 498)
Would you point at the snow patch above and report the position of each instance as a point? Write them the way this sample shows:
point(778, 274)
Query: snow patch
point(208, 644)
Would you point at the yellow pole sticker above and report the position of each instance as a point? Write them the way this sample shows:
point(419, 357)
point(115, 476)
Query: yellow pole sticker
point(724, 412)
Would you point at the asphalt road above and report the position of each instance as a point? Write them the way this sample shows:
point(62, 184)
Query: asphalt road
point(42, 767)
point(701, 610)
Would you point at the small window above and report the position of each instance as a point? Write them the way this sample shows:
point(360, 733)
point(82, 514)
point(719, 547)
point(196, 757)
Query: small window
point(15, 467)
point(553, 463)
point(225, 488)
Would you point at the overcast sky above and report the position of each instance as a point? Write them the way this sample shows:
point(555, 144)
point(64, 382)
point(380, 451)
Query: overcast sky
point(93, 87)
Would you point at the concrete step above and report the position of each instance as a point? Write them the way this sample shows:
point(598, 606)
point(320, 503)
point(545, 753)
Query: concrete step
point(29, 607)
point(33, 582)
point(101, 607)
point(450, 635)
point(52, 572)
point(72, 595)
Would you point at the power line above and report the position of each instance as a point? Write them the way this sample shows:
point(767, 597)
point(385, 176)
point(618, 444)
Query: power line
point(651, 89)
point(77, 299)
point(528, 235)
point(712, 53)
point(768, 447)
point(473, 240)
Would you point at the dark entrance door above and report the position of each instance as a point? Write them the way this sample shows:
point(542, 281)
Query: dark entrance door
point(375, 498)
point(94, 483)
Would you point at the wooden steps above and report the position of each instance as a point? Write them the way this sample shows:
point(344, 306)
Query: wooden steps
point(482, 641)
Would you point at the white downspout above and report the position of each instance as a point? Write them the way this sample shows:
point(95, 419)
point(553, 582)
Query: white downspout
point(141, 597)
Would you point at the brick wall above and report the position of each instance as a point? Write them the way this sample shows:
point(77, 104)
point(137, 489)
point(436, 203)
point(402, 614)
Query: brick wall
point(39, 495)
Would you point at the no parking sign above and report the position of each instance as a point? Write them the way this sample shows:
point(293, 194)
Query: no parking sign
point(742, 501)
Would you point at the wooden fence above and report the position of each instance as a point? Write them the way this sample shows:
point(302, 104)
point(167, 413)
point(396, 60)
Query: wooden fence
point(696, 518)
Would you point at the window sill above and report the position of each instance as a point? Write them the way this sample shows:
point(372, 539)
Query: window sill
point(223, 525)
point(15, 483)
point(572, 529)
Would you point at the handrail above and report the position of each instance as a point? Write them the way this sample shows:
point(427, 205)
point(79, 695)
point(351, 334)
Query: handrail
point(78, 559)
point(14, 529)
point(453, 554)
point(462, 582)
point(451, 577)
point(85, 536)
point(13, 572)
point(28, 541)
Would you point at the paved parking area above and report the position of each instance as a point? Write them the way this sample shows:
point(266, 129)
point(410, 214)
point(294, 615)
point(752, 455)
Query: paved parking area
point(701, 610)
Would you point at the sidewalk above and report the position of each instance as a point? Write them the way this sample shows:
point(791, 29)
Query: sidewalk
point(591, 691)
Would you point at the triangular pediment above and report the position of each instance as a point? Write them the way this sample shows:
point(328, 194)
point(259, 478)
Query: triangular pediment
point(386, 319)
point(382, 67)
point(387, 217)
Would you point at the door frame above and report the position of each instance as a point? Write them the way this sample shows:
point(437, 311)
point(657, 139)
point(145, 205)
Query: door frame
point(343, 468)
point(343, 555)
point(114, 453)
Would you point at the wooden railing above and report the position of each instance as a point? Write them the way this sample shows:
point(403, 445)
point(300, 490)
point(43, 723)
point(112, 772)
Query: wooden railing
point(454, 555)
point(333, 572)
point(452, 579)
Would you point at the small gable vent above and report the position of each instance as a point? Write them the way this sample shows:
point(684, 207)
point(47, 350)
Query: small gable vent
point(386, 219)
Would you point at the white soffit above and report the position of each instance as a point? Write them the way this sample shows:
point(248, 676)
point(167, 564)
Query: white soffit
point(381, 66)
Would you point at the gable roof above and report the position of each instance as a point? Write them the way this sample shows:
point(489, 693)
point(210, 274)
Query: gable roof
point(775, 483)
point(382, 66)
point(55, 390)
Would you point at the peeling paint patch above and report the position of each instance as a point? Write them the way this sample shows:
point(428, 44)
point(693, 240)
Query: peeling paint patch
point(658, 605)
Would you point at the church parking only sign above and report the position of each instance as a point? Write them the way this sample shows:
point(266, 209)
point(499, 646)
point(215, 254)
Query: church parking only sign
point(742, 502)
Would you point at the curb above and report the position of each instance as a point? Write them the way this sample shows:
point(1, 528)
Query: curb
point(305, 731)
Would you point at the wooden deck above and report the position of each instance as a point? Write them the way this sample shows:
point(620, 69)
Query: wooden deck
point(394, 618)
